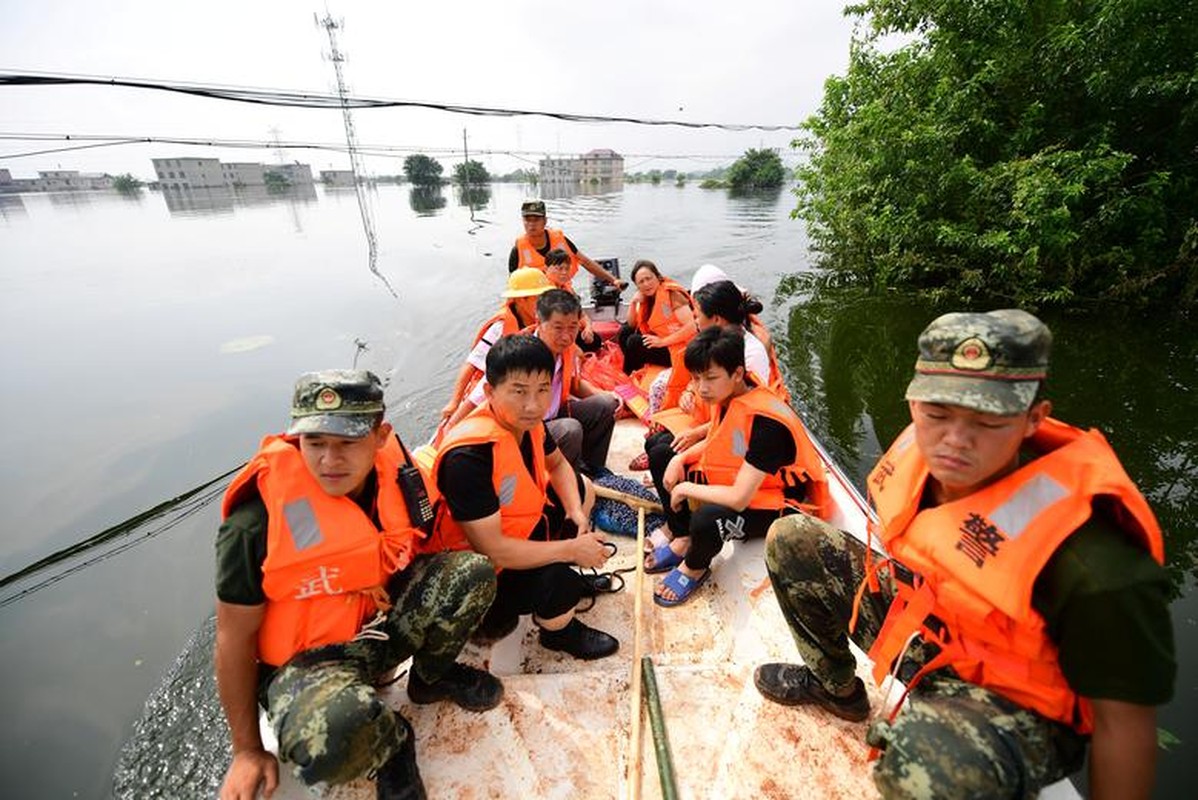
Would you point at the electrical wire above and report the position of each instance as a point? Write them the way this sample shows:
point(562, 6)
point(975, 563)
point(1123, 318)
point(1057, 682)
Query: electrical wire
point(320, 100)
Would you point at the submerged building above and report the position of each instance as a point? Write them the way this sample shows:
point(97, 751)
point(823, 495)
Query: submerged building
point(597, 167)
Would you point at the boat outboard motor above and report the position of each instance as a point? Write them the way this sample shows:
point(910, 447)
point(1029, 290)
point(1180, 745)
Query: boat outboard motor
point(602, 292)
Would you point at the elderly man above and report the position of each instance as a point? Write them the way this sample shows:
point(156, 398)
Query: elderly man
point(1023, 603)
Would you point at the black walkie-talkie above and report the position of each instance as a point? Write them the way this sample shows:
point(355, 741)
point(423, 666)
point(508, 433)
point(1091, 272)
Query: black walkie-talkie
point(415, 494)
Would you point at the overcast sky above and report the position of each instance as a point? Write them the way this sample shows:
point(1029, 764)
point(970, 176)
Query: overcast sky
point(752, 61)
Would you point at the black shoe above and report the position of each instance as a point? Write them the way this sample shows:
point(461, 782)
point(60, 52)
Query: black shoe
point(399, 779)
point(794, 685)
point(471, 688)
point(595, 584)
point(580, 641)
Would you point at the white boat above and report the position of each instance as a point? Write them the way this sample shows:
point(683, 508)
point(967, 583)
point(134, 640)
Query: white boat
point(564, 728)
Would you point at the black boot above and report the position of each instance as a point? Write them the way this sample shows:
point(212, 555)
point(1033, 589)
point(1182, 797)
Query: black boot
point(471, 688)
point(399, 778)
point(580, 641)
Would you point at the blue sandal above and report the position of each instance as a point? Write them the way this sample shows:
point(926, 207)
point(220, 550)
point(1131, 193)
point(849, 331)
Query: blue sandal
point(664, 560)
point(682, 585)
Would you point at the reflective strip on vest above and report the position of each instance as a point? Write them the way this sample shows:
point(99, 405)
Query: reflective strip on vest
point(1028, 502)
point(301, 521)
point(739, 447)
point(507, 489)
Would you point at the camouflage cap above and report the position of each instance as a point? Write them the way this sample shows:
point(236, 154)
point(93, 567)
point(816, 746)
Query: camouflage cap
point(532, 208)
point(339, 402)
point(992, 362)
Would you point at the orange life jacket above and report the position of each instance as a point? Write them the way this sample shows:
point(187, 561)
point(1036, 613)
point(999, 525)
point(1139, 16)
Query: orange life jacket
point(663, 321)
point(510, 325)
point(530, 257)
point(968, 567)
point(803, 484)
point(521, 495)
point(326, 562)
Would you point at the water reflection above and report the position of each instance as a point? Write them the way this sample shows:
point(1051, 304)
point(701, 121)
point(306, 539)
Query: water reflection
point(12, 206)
point(221, 201)
point(426, 200)
point(475, 196)
point(561, 190)
point(850, 353)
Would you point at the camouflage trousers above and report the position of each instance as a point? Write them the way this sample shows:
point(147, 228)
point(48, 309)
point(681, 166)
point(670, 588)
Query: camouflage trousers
point(331, 724)
point(952, 739)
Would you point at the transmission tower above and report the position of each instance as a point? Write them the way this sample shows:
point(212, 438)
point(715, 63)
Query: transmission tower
point(356, 163)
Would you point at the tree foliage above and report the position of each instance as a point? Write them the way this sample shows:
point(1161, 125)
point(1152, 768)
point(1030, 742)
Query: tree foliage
point(1037, 152)
point(125, 182)
point(422, 170)
point(471, 172)
point(756, 169)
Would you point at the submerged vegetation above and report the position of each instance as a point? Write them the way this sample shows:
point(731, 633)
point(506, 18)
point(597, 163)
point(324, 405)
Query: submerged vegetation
point(1036, 153)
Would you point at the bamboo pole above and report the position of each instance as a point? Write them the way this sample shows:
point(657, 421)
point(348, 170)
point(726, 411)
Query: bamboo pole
point(661, 743)
point(627, 499)
point(634, 752)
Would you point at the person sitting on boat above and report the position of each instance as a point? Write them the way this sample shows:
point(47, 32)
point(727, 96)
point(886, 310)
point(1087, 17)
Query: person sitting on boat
point(508, 493)
point(710, 273)
point(660, 321)
point(1024, 603)
point(531, 248)
point(720, 304)
point(519, 311)
point(320, 596)
point(557, 270)
point(755, 464)
point(580, 416)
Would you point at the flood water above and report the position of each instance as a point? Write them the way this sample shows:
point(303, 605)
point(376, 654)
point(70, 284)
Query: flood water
point(150, 342)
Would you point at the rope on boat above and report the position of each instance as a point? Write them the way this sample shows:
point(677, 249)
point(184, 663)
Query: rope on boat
point(179, 508)
point(657, 723)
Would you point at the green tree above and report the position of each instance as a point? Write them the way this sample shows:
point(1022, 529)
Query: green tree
point(757, 169)
point(422, 170)
point(471, 172)
point(275, 181)
point(654, 176)
point(126, 183)
point(1031, 153)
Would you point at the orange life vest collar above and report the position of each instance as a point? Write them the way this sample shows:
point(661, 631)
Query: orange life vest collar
point(522, 494)
point(326, 560)
point(975, 560)
point(803, 484)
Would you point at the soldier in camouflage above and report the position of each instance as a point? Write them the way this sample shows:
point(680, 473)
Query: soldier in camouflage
point(331, 724)
point(975, 392)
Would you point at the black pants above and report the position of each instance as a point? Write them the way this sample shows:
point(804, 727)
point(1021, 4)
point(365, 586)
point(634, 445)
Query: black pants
point(711, 524)
point(636, 354)
point(547, 591)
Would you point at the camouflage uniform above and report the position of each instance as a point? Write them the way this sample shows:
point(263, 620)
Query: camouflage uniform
point(952, 739)
point(330, 722)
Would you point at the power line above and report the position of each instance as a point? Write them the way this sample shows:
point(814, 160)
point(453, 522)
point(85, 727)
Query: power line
point(321, 100)
point(379, 150)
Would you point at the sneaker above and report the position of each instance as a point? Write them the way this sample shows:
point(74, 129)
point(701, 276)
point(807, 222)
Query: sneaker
point(795, 685)
point(580, 640)
point(399, 778)
point(471, 688)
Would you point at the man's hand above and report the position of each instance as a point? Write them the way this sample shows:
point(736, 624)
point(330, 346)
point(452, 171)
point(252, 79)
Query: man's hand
point(250, 770)
point(686, 401)
point(675, 472)
point(620, 284)
point(687, 438)
point(450, 407)
point(589, 550)
point(679, 494)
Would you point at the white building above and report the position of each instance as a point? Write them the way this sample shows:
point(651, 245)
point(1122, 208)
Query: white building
point(595, 167)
